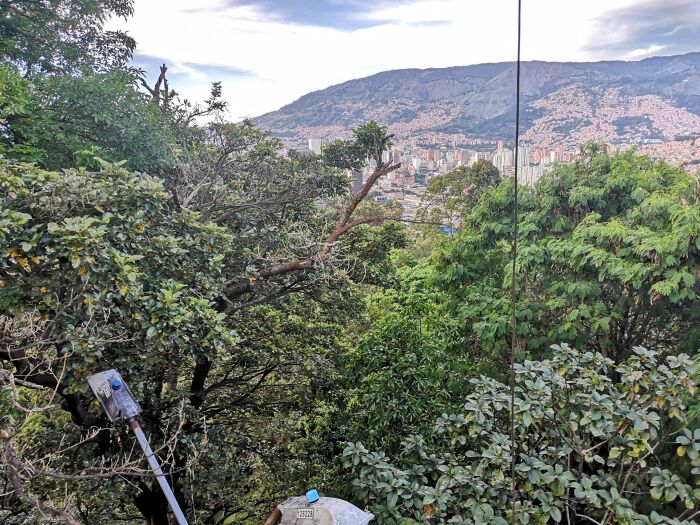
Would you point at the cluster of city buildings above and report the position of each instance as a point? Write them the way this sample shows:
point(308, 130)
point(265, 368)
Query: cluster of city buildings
point(423, 158)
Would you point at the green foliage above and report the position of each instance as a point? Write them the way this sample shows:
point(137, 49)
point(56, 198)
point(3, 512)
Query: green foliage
point(454, 194)
point(586, 446)
point(372, 139)
point(401, 374)
point(369, 247)
point(369, 141)
point(407, 368)
point(102, 266)
point(271, 429)
point(16, 103)
point(607, 258)
point(65, 121)
point(120, 269)
point(103, 261)
point(64, 36)
point(100, 270)
point(344, 154)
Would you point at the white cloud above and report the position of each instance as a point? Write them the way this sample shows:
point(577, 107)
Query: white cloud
point(288, 61)
point(674, 30)
point(644, 52)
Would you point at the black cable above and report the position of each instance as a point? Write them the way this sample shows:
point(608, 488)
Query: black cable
point(513, 295)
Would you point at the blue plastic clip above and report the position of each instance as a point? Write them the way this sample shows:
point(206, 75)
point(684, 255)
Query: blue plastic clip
point(312, 496)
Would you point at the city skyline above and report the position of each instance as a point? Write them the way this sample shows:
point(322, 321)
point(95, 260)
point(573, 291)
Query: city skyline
point(428, 155)
point(431, 155)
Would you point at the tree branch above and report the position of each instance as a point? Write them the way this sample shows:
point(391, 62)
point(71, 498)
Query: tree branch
point(14, 467)
point(27, 371)
point(235, 290)
point(155, 90)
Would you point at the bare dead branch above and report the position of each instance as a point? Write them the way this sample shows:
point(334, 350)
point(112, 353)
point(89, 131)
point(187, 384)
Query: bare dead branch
point(235, 290)
point(13, 469)
point(155, 91)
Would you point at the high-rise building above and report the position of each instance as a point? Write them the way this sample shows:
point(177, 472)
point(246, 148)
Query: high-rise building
point(315, 146)
point(524, 156)
point(498, 161)
point(502, 159)
point(507, 157)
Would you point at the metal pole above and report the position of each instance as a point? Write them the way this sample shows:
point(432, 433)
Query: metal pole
point(153, 461)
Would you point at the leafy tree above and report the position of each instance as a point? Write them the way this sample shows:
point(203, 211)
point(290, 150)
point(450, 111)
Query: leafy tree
point(367, 249)
point(607, 259)
point(587, 449)
point(64, 36)
point(66, 121)
point(401, 375)
point(272, 433)
point(100, 271)
point(453, 195)
point(15, 102)
point(219, 303)
point(296, 185)
point(408, 367)
point(370, 141)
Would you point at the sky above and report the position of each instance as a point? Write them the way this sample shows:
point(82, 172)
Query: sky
point(268, 53)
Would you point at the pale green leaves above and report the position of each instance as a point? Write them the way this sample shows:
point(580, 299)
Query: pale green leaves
point(576, 430)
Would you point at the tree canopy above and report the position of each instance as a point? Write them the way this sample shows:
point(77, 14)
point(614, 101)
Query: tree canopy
point(183, 291)
point(607, 259)
point(451, 196)
point(64, 36)
point(586, 445)
point(264, 313)
point(66, 121)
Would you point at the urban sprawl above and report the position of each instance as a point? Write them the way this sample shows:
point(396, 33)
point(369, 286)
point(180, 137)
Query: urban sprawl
point(423, 158)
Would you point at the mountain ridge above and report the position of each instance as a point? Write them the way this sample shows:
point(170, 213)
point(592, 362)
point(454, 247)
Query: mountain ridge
point(478, 100)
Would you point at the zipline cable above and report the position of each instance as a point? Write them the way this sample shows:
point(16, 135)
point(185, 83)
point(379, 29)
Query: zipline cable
point(513, 294)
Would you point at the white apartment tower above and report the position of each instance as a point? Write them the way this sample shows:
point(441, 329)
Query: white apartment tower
point(315, 146)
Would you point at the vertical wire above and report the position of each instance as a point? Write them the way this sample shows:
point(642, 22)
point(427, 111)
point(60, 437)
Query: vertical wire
point(513, 295)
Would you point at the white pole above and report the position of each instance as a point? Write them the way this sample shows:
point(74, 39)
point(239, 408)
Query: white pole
point(153, 461)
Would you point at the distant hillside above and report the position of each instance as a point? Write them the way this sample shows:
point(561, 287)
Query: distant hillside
point(656, 99)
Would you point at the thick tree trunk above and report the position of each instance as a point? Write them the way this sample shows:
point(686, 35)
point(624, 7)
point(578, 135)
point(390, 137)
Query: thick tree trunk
point(152, 504)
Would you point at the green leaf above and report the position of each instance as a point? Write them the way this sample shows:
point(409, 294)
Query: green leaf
point(656, 492)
